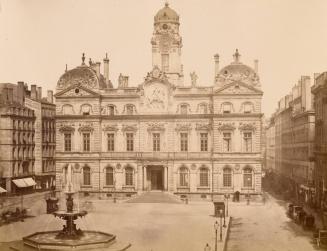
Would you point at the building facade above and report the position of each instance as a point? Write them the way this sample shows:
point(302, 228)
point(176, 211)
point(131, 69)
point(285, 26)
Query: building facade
point(290, 140)
point(319, 91)
point(22, 138)
point(165, 133)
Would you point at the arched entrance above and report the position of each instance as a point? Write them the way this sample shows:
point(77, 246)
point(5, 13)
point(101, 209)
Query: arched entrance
point(155, 177)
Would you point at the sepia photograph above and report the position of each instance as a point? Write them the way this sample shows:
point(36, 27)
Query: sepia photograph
point(153, 125)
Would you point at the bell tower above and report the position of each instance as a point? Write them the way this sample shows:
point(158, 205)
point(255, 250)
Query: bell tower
point(167, 45)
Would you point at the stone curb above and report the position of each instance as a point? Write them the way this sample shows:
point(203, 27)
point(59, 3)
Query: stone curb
point(226, 237)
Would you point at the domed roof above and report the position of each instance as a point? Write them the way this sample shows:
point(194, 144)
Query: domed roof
point(166, 14)
point(82, 75)
point(237, 71)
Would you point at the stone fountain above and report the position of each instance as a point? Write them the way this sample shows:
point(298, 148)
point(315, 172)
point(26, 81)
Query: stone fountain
point(70, 237)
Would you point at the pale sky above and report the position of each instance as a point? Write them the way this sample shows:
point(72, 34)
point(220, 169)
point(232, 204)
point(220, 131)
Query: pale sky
point(288, 37)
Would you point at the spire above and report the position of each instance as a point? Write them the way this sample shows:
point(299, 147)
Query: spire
point(236, 56)
point(66, 68)
point(83, 58)
point(90, 62)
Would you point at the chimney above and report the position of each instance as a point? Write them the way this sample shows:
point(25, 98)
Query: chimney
point(33, 92)
point(10, 94)
point(39, 93)
point(97, 68)
point(106, 68)
point(21, 92)
point(256, 65)
point(50, 96)
point(216, 57)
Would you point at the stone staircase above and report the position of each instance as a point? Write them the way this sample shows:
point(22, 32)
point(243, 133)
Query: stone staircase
point(155, 197)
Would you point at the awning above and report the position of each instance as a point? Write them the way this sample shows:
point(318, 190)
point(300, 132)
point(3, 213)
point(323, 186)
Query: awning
point(27, 182)
point(30, 182)
point(2, 190)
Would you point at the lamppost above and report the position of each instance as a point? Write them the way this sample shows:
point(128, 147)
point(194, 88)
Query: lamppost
point(115, 199)
point(207, 248)
point(221, 225)
point(216, 225)
point(227, 197)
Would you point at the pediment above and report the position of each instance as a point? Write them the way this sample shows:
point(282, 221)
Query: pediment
point(238, 88)
point(76, 91)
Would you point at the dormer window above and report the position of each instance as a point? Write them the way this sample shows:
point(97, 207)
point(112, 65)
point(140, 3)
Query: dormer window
point(111, 109)
point(129, 109)
point(247, 108)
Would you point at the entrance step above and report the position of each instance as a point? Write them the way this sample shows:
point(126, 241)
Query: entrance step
point(155, 197)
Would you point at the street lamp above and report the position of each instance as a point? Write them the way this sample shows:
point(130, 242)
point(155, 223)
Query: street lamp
point(221, 225)
point(227, 197)
point(216, 225)
point(207, 248)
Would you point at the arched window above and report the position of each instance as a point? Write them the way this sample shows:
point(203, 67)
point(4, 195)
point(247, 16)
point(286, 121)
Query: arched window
point(109, 176)
point(129, 173)
point(86, 109)
point(130, 109)
point(67, 109)
point(204, 177)
point(247, 107)
point(227, 177)
point(86, 175)
point(184, 108)
point(247, 177)
point(227, 107)
point(111, 110)
point(183, 176)
point(203, 108)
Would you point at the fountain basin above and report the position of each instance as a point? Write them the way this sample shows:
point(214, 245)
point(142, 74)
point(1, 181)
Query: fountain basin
point(49, 241)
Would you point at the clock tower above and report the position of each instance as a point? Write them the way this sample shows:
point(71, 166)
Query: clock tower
point(167, 45)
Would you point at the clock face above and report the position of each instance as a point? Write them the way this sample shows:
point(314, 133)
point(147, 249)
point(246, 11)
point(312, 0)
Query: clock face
point(156, 98)
point(165, 26)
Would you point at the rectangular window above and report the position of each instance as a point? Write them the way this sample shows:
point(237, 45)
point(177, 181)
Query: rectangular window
point(247, 139)
point(111, 142)
point(86, 142)
point(68, 142)
point(227, 108)
point(204, 142)
point(247, 108)
point(183, 109)
point(165, 62)
point(129, 109)
point(227, 137)
point(130, 142)
point(184, 142)
point(156, 142)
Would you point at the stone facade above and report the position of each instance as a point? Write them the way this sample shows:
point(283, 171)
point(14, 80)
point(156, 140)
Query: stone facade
point(319, 91)
point(22, 140)
point(290, 140)
point(164, 134)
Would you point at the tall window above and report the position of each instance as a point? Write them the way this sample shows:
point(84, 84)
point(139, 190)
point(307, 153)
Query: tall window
point(86, 175)
point(204, 142)
point(227, 108)
point(247, 177)
point(129, 176)
point(130, 142)
point(184, 109)
point(184, 142)
point(86, 142)
point(68, 142)
point(227, 177)
point(204, 177)
point(183, 177)
point(165, 62)
point(156, 142)
point(247, 108)
point(111, 110)
point(129, 109)
point(111, 142)
point(109, 176)
point(247, 139)
point(227, 138)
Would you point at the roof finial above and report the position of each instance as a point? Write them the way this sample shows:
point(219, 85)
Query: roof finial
point(90, 62)
point(166, 4)
point(83, 58)
point(237, 56)
point(66, 68)
point(106, 55)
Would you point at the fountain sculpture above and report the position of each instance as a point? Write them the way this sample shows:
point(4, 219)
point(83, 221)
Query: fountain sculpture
point(70, 238)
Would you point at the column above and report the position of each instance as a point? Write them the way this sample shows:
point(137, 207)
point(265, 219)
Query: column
point(165, 178)
point(144, 179)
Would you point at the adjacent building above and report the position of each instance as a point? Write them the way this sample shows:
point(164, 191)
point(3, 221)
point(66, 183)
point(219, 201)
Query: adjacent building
point(22, 143)
point(164, 133)
point(319, 90)
point(290, 141)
